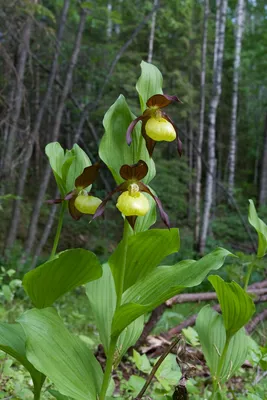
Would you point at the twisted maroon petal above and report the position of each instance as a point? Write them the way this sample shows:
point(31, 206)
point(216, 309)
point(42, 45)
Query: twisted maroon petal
point(101, 208)
point(54, 201)
point(178, 141)
point(163, 214)
point(136, 171)
point(131, 128)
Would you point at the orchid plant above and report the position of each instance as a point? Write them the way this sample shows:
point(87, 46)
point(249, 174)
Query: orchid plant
point(132, 282)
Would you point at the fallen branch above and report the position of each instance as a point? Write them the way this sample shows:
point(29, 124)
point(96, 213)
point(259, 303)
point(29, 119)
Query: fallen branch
point(256, 321)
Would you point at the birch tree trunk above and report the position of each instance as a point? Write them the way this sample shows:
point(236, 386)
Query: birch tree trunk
point(58, 119)
point(109, 24)
point(216, 92)
point(201, 120)
point(152, 32)
point(18, 96)
point(12, 233)
point(263, 180)
point(238, 43)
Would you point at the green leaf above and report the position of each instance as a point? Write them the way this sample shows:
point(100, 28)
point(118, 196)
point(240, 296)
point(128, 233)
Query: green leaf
point(163, 283)
point(58, 395)
point(68, 270)
point(142, 362)
point(260, 227)
point(63, 357)
point(212, 336)
point(102, 297)
point(236, 305)
point(149, 83)
point(12, 342)
point(80, 161)
point(145, 251)
point(55, 154)
point(114, 150)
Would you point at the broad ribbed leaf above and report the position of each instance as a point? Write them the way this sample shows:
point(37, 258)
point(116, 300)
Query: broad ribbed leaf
point(63, 357)
point(102, 297)
point(145, 251)
point(114, 150)
point(212, 336)
point(55, 154)
point(236, 305)
point(260, 227)
point(12, 342)
point(69, 269)
point(163, 283)
point(149, 83)
point(80, 161)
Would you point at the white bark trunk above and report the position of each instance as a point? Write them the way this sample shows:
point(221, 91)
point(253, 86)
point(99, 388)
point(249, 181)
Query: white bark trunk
point(152, 33)
point(238, 44)
point(216, 92)
point(201, 120)
point(109, 24)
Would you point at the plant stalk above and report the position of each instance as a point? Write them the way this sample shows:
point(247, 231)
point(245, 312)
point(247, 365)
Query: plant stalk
point(113, 342)
point(219, 369)
point(59, 227)
point(250, 269)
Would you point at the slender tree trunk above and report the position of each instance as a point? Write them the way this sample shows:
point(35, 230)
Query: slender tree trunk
point(216, 92)
point(18, 96)
point(152, 33)
point(238, 43)
point(59, 114)
point(201, 120)
point(109, 24)
point(263, 180)
point(12, 233)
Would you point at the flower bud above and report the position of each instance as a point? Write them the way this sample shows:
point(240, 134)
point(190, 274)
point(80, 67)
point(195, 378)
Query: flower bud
point(133, 204)
point(160, 129)
point(87, 204)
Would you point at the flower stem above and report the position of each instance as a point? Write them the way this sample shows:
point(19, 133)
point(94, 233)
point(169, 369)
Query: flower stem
point(113, 341)
point(250, 269)
point(59, 227)
point(219, 369)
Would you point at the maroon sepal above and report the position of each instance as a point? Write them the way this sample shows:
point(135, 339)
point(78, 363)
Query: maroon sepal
point(132, 219)
point(76, 214)
point(150, 143)
point(88, 176)
point(131, 128)
point(101, 208)
point(162, 100)
point(70, 195)
point(54, 201)
point(178, 141)
point(163, 214)
point(136, 171)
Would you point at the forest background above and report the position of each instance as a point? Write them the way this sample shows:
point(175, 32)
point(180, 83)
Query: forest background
point(64, 63)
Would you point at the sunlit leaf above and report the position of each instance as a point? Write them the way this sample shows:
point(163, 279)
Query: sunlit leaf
point(212, 336)
point(163, 283)
point(114, 150)
point(69, 269)
point(102, 297)
point(145, 251)
point(63, 357)
point(260, 227)
point(13, 342)
point(149, 83)
point(236, 305)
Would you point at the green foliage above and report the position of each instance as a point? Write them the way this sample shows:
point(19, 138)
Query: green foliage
point(68, 270)
point(260, 227)
point(149, 83)
point(212, 336)
point(63, 357)
point(236, 305)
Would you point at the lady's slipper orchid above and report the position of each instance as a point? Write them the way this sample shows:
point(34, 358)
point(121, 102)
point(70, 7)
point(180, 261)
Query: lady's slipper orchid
point(79, 200)
point(131, 202)
point(156, 124)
